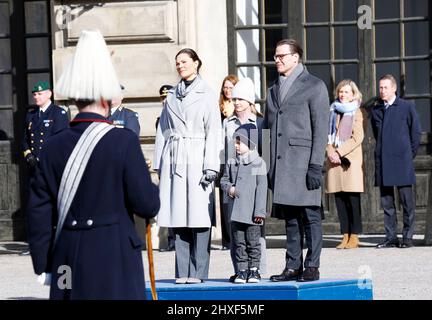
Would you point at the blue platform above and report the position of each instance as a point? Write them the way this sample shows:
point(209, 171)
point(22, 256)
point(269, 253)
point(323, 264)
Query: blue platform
point(221, 289)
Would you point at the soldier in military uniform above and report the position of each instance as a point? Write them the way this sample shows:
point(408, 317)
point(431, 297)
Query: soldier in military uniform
point(43, 121)
point(124, 117)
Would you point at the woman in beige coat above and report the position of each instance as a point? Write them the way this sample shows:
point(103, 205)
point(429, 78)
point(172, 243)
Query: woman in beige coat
point(345, 160)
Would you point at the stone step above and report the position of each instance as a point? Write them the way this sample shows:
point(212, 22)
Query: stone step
point(222, 289)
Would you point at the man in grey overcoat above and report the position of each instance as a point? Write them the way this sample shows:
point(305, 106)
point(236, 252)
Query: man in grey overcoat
point(297, 113)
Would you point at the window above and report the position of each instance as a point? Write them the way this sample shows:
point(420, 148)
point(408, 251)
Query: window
point(5, 57)
point(401, 29)
point(334, 47)
point(38, 43)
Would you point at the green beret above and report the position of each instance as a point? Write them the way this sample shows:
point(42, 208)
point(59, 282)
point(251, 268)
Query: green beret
point(41, 86)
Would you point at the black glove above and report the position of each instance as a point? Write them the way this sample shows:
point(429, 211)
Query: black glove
point(314, 177)
point(31, 160)
point(208, 177)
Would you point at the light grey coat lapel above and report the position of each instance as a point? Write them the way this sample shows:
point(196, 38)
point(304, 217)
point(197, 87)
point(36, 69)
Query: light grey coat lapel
point(174, 106)
point(195, 95)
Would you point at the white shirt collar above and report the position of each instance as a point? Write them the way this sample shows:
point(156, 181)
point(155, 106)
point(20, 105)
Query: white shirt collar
point(45, 106)
point(114, 109)
point(390, 102)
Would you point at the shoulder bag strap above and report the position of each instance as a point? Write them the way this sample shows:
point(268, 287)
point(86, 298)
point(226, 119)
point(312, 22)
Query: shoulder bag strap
point(74, 170)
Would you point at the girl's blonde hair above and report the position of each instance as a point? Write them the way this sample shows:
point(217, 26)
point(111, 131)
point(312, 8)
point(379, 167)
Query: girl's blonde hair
point(255, 111)
point(348, 82)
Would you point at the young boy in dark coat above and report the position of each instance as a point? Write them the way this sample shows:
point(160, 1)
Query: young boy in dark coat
point(245, 183)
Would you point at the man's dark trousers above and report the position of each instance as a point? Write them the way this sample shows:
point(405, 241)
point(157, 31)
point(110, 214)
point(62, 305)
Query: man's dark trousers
point(300, 220)
point(390, 217)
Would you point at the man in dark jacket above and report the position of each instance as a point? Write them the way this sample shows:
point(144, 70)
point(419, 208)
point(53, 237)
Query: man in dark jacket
point(297, 113)
point(98, 251)
point(397, 132)
point(41, 123)
point(124, 117)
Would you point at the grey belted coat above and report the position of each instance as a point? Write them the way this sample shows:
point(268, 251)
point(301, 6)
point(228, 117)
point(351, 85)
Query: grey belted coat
point(188, 141)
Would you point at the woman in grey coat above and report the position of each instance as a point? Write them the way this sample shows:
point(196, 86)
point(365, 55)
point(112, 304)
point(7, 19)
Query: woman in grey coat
point(187, 148)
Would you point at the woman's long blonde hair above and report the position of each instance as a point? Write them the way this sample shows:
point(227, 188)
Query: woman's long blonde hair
point(348, 82)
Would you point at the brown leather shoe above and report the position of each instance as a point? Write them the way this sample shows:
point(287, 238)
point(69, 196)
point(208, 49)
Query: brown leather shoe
point(286, 275)
point(309, 274)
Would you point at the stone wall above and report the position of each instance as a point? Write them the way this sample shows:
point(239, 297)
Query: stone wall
point(144, 37)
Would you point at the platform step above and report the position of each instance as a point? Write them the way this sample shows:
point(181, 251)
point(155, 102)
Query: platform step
point(222, 289)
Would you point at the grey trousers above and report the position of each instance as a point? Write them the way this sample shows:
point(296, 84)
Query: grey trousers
point(300, 221)
point(246, 244)
point(263, 245)
point(390, 217)
point(192, 252)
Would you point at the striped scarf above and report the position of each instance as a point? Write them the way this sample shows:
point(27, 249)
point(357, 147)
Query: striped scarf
point(337, 136)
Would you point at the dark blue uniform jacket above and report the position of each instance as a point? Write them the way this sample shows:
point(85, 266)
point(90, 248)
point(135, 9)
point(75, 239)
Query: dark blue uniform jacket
point(397, 134)
point(98, 241)
point(39, 129)
point(127, 118)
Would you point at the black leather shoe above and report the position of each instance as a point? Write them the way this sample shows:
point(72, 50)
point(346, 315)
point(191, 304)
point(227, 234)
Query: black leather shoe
point(232, 278)
point(388, 244)
point(309, 274)
point(25, 253)
point(407, 243)
point(169, 248)
point(286, 275)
